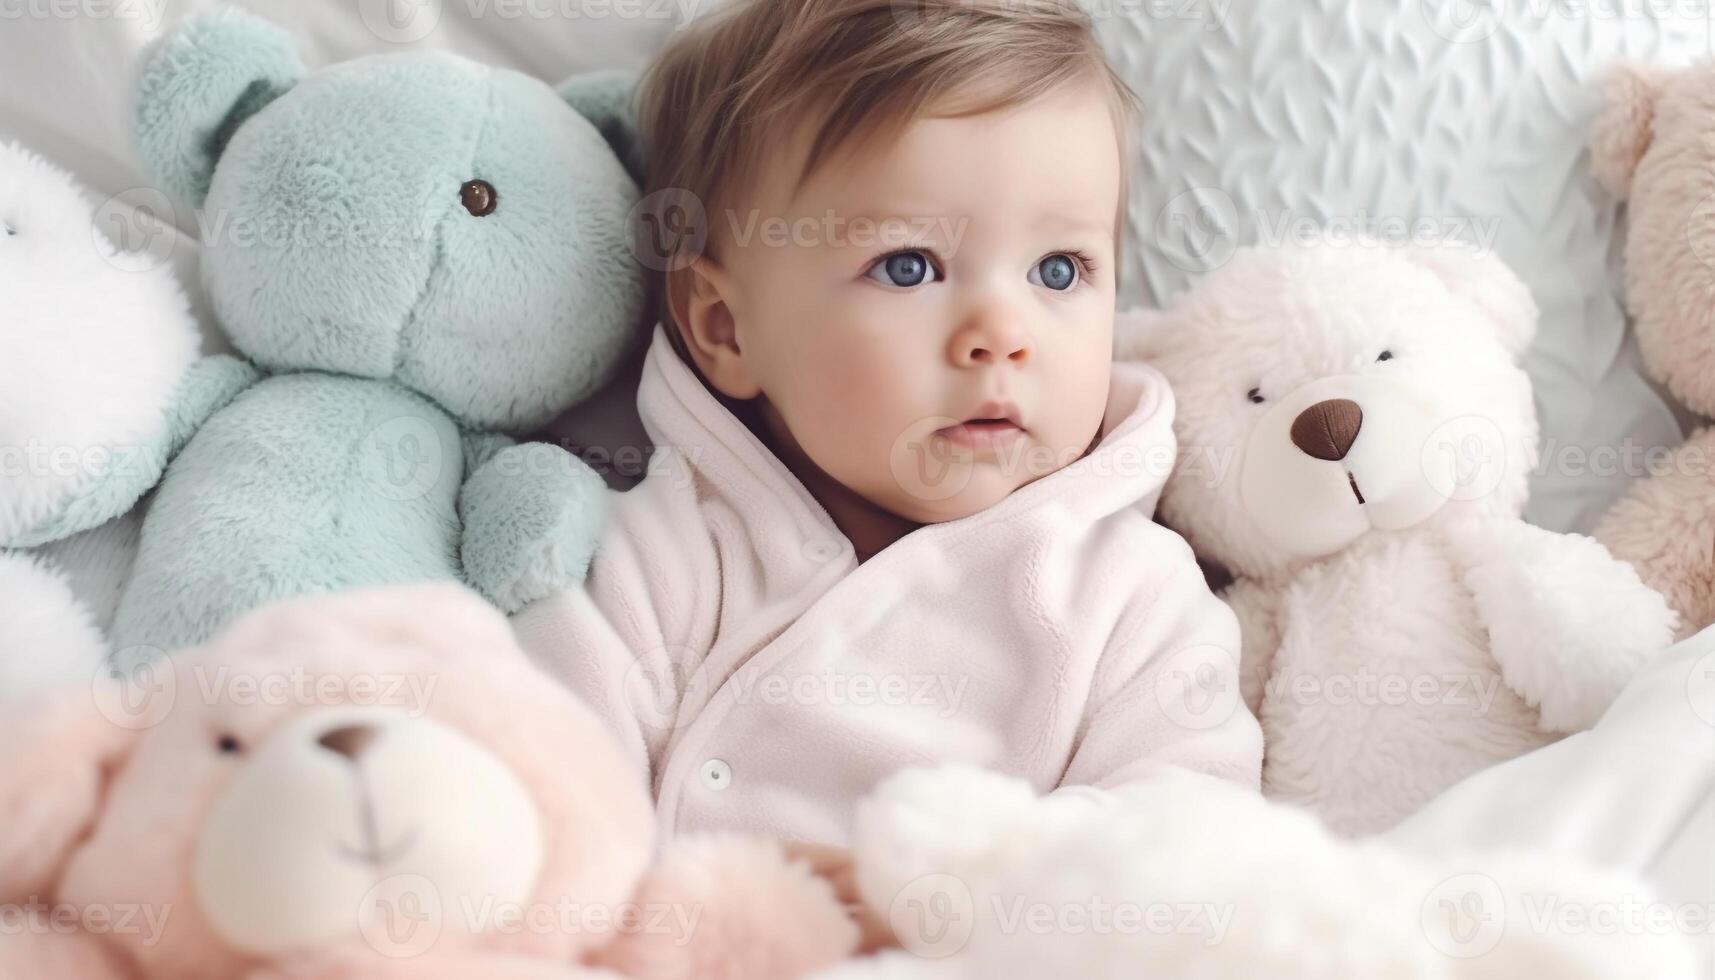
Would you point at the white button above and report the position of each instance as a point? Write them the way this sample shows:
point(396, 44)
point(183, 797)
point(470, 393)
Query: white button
point(717, 775)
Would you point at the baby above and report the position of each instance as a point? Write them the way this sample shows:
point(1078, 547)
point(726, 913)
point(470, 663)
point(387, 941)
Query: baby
point(899, 511)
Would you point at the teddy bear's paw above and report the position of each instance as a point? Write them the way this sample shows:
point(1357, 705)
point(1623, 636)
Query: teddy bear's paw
point(1568, 624)
point(362, 963)
point(953, 821)
point(533, 515)
point(1665, 528)
point(731, 907)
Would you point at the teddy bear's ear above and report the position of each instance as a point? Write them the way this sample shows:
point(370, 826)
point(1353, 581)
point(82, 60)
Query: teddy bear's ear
point(1625, 124)
point(198, 84)
point(1140, 333)
point(1479, 275)
point(607, 99)
point(60, 752)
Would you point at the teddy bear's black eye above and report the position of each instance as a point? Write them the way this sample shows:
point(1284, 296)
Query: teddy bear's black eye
point(228, 745)
point(1255, 395)
point(478, 197)
point(1386, 355)
point(10, 231)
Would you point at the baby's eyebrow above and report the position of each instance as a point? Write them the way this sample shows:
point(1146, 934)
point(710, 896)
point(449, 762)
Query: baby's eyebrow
point(1063, 222)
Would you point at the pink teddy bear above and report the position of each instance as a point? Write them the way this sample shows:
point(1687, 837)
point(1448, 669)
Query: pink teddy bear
point(371, 784)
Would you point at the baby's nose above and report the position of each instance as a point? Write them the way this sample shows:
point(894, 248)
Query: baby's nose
point(993, 344)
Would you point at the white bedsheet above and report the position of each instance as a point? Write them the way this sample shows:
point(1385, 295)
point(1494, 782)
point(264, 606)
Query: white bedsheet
point(1637, 792)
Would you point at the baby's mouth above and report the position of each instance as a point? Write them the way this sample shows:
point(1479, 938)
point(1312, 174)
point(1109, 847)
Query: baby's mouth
point(981, 433)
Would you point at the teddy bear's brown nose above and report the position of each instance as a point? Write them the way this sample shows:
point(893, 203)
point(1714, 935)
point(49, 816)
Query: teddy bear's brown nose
point(348, 740)
point(1327, 429)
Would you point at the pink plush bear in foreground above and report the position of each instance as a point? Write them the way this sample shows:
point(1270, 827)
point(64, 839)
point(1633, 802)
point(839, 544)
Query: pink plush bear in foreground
point(372, 784)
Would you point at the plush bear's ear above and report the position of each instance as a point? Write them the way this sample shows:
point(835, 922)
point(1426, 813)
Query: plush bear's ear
point(1625, 124)
point(607, 99)
point(198, 84)
point(60, 752)
point(1140, 333)
point(1481, 277)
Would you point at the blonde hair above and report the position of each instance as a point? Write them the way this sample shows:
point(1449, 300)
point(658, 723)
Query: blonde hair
point(740, 80)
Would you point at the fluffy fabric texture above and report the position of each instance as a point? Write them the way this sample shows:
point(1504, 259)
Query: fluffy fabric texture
point(1425, 631)
point(109, 811)
point(47, 638)
point(1190, 877)
point(341, 258)
point(1650, 146)
point(764, 681)
point(1665, 527)
point(96, 341)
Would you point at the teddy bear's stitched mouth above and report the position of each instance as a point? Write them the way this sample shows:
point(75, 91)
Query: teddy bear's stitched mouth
point(1353, 481)
point(376, 854)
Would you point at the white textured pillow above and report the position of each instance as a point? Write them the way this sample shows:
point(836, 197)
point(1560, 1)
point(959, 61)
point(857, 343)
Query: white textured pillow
point(1434, 118)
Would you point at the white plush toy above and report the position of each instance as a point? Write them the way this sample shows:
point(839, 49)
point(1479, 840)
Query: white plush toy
point(1355, 439)
point(1187, 876)
point(97, 347)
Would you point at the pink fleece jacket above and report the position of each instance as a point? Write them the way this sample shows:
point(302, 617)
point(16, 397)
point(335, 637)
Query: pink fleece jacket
point(765, 681)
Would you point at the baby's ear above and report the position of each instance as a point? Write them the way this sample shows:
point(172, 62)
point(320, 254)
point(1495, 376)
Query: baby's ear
point(1140, 333)
point(1625, 125)
point(198, 84)
point(1479, 275)
point(608, 100)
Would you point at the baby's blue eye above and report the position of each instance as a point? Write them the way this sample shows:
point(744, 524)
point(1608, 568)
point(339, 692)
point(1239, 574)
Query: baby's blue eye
point(1057, 272)
point(904, 269)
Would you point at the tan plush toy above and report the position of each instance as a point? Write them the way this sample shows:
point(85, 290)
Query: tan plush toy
point(1651, 148)
point(369, 784)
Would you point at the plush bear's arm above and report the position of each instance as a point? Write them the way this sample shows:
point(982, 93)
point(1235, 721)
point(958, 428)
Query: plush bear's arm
point(435, 964)
point(1568, 623)
point(38, 947)
point(132, 471)
point(1258, 609)
point(1665, 528)
point(725, 908)
point(532, 516)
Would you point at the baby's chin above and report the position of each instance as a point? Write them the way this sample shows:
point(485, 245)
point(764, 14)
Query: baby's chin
point(926, 497)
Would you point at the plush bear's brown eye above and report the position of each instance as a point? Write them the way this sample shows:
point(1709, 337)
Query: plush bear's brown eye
point(228, 745)
point(478, 197)
point(1255, 395)
point(1386, 355)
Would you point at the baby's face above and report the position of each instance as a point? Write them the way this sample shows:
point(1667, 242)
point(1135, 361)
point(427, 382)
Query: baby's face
point(932, 322)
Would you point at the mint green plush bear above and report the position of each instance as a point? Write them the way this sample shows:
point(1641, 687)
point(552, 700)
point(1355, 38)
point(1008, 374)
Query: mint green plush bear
point(414, 252)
